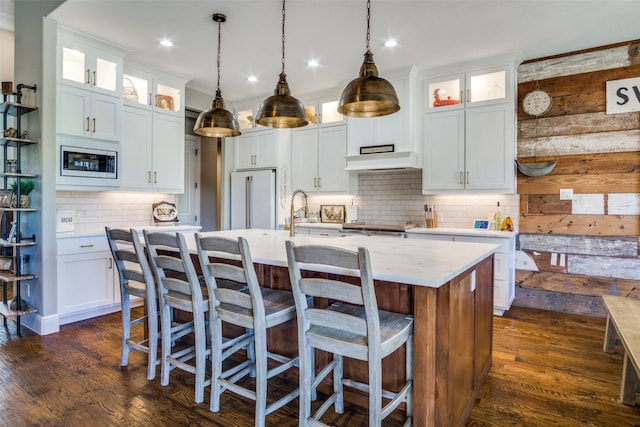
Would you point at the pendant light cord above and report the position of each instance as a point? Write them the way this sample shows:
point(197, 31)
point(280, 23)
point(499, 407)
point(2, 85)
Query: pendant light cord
point(368, 27)
point(283, 17)
point(219, 24)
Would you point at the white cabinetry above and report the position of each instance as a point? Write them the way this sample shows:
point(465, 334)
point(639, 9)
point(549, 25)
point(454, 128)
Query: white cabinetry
point(152, 151)
point(87, 281)
point(318, 158)
point(396, 129)
point(256, 149)
point(86, 114)
point(153, 130)
point(503, 267)
point(145, 86)
point(89, 86)
point(469, 138)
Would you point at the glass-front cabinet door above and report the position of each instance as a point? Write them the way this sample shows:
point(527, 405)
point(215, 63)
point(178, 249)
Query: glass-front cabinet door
point(84, 66)
point(486, 86)
point(445, 93)
point(144, 88)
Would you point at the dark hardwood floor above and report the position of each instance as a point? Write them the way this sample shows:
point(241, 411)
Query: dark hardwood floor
point(548, 369)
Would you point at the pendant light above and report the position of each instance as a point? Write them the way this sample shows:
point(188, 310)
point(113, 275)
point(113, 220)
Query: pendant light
point(368, 95)
point(217, 122)
point(281, 110)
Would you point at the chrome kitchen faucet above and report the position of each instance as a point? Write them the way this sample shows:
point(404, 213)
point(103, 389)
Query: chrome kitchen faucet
point(292, 231)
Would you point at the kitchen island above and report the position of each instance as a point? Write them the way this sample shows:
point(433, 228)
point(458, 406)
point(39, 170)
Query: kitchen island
point(446, 286)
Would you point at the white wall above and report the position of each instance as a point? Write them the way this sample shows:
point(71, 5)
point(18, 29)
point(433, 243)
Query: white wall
point(6, 55)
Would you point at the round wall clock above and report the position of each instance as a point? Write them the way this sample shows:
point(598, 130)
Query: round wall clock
point(536, 103)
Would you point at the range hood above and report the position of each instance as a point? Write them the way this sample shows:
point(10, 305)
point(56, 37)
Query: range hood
point(381, 161)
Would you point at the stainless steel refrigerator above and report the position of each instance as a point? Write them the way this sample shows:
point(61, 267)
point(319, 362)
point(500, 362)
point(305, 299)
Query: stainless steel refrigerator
point(253, 199)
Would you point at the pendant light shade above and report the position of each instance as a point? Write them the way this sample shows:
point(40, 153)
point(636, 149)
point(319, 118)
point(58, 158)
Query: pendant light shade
point(281, 110)
point(368, 95)
point(217, 122)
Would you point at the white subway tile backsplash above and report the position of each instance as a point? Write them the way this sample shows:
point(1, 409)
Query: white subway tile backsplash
point(395, 197)
point(97, 209)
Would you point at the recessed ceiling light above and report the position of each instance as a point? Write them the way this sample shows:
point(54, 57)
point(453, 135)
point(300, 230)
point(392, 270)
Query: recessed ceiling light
point(252, 79)
point(312, 63)
point(166, 43)
point(390, 43)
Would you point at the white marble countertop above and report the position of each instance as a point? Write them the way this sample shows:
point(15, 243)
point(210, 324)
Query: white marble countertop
point(419, 262)
point(101, 232)
point(463, 232)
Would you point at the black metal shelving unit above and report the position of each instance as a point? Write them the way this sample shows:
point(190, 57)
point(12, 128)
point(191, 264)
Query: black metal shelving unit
point(13, 244)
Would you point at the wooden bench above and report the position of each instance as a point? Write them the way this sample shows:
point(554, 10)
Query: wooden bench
point(623, 320)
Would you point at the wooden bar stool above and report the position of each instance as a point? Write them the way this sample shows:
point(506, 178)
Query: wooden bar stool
point(179, 289)
point(136, 279)
point(256, 309)
point(352, 326)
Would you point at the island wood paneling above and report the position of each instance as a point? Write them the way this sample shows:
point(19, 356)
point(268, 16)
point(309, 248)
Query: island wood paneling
point(573, 251)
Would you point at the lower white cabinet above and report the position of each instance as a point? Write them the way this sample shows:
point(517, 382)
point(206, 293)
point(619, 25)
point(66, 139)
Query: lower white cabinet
point(88, 283)
point(503, 266)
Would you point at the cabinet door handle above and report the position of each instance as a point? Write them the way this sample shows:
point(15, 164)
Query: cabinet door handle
point(155, 177)
point(110, 263)
point(468, 177)
point(94, 125)
point(95, 78)
point(319, 182)
point(460, 181)
point(315, 182)
point(149, 98)
point(86, 246)
point(148, 177)
point(468, 95)
point(87, 123)
point(88, 76)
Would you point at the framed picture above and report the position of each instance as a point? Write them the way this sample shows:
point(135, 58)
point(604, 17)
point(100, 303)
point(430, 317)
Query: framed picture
point(5, 198)
point(332, 214)
point(165, 101)
point(481, 224)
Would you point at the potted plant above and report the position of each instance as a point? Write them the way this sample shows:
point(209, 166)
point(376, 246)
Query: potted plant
point(26, 186)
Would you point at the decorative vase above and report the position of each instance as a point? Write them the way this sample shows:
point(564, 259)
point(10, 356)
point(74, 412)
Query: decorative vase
point(25, 201)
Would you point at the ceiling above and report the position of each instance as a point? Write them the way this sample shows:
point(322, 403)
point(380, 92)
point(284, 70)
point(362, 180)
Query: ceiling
point(430, 33)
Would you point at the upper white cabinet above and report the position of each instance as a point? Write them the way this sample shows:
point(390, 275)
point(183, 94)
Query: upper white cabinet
point(256, 148)
point(89, 86)
point(89, 63)
point(152, 130)
point(152, 151)
point(146, 87)
point(318, 150)
point(318, 158)
point(469, 138)
point(396, 130)
point(474, 88)
point(86, 114)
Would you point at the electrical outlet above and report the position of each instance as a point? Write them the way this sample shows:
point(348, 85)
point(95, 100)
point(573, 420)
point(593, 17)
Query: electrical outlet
point(566, 193)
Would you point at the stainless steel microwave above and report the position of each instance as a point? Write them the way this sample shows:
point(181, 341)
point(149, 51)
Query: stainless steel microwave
point(88, 166)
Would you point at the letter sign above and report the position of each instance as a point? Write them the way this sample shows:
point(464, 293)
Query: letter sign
point(623, 96)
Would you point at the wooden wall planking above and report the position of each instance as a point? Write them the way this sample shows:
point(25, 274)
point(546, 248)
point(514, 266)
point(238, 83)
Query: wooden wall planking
point(574, 251)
